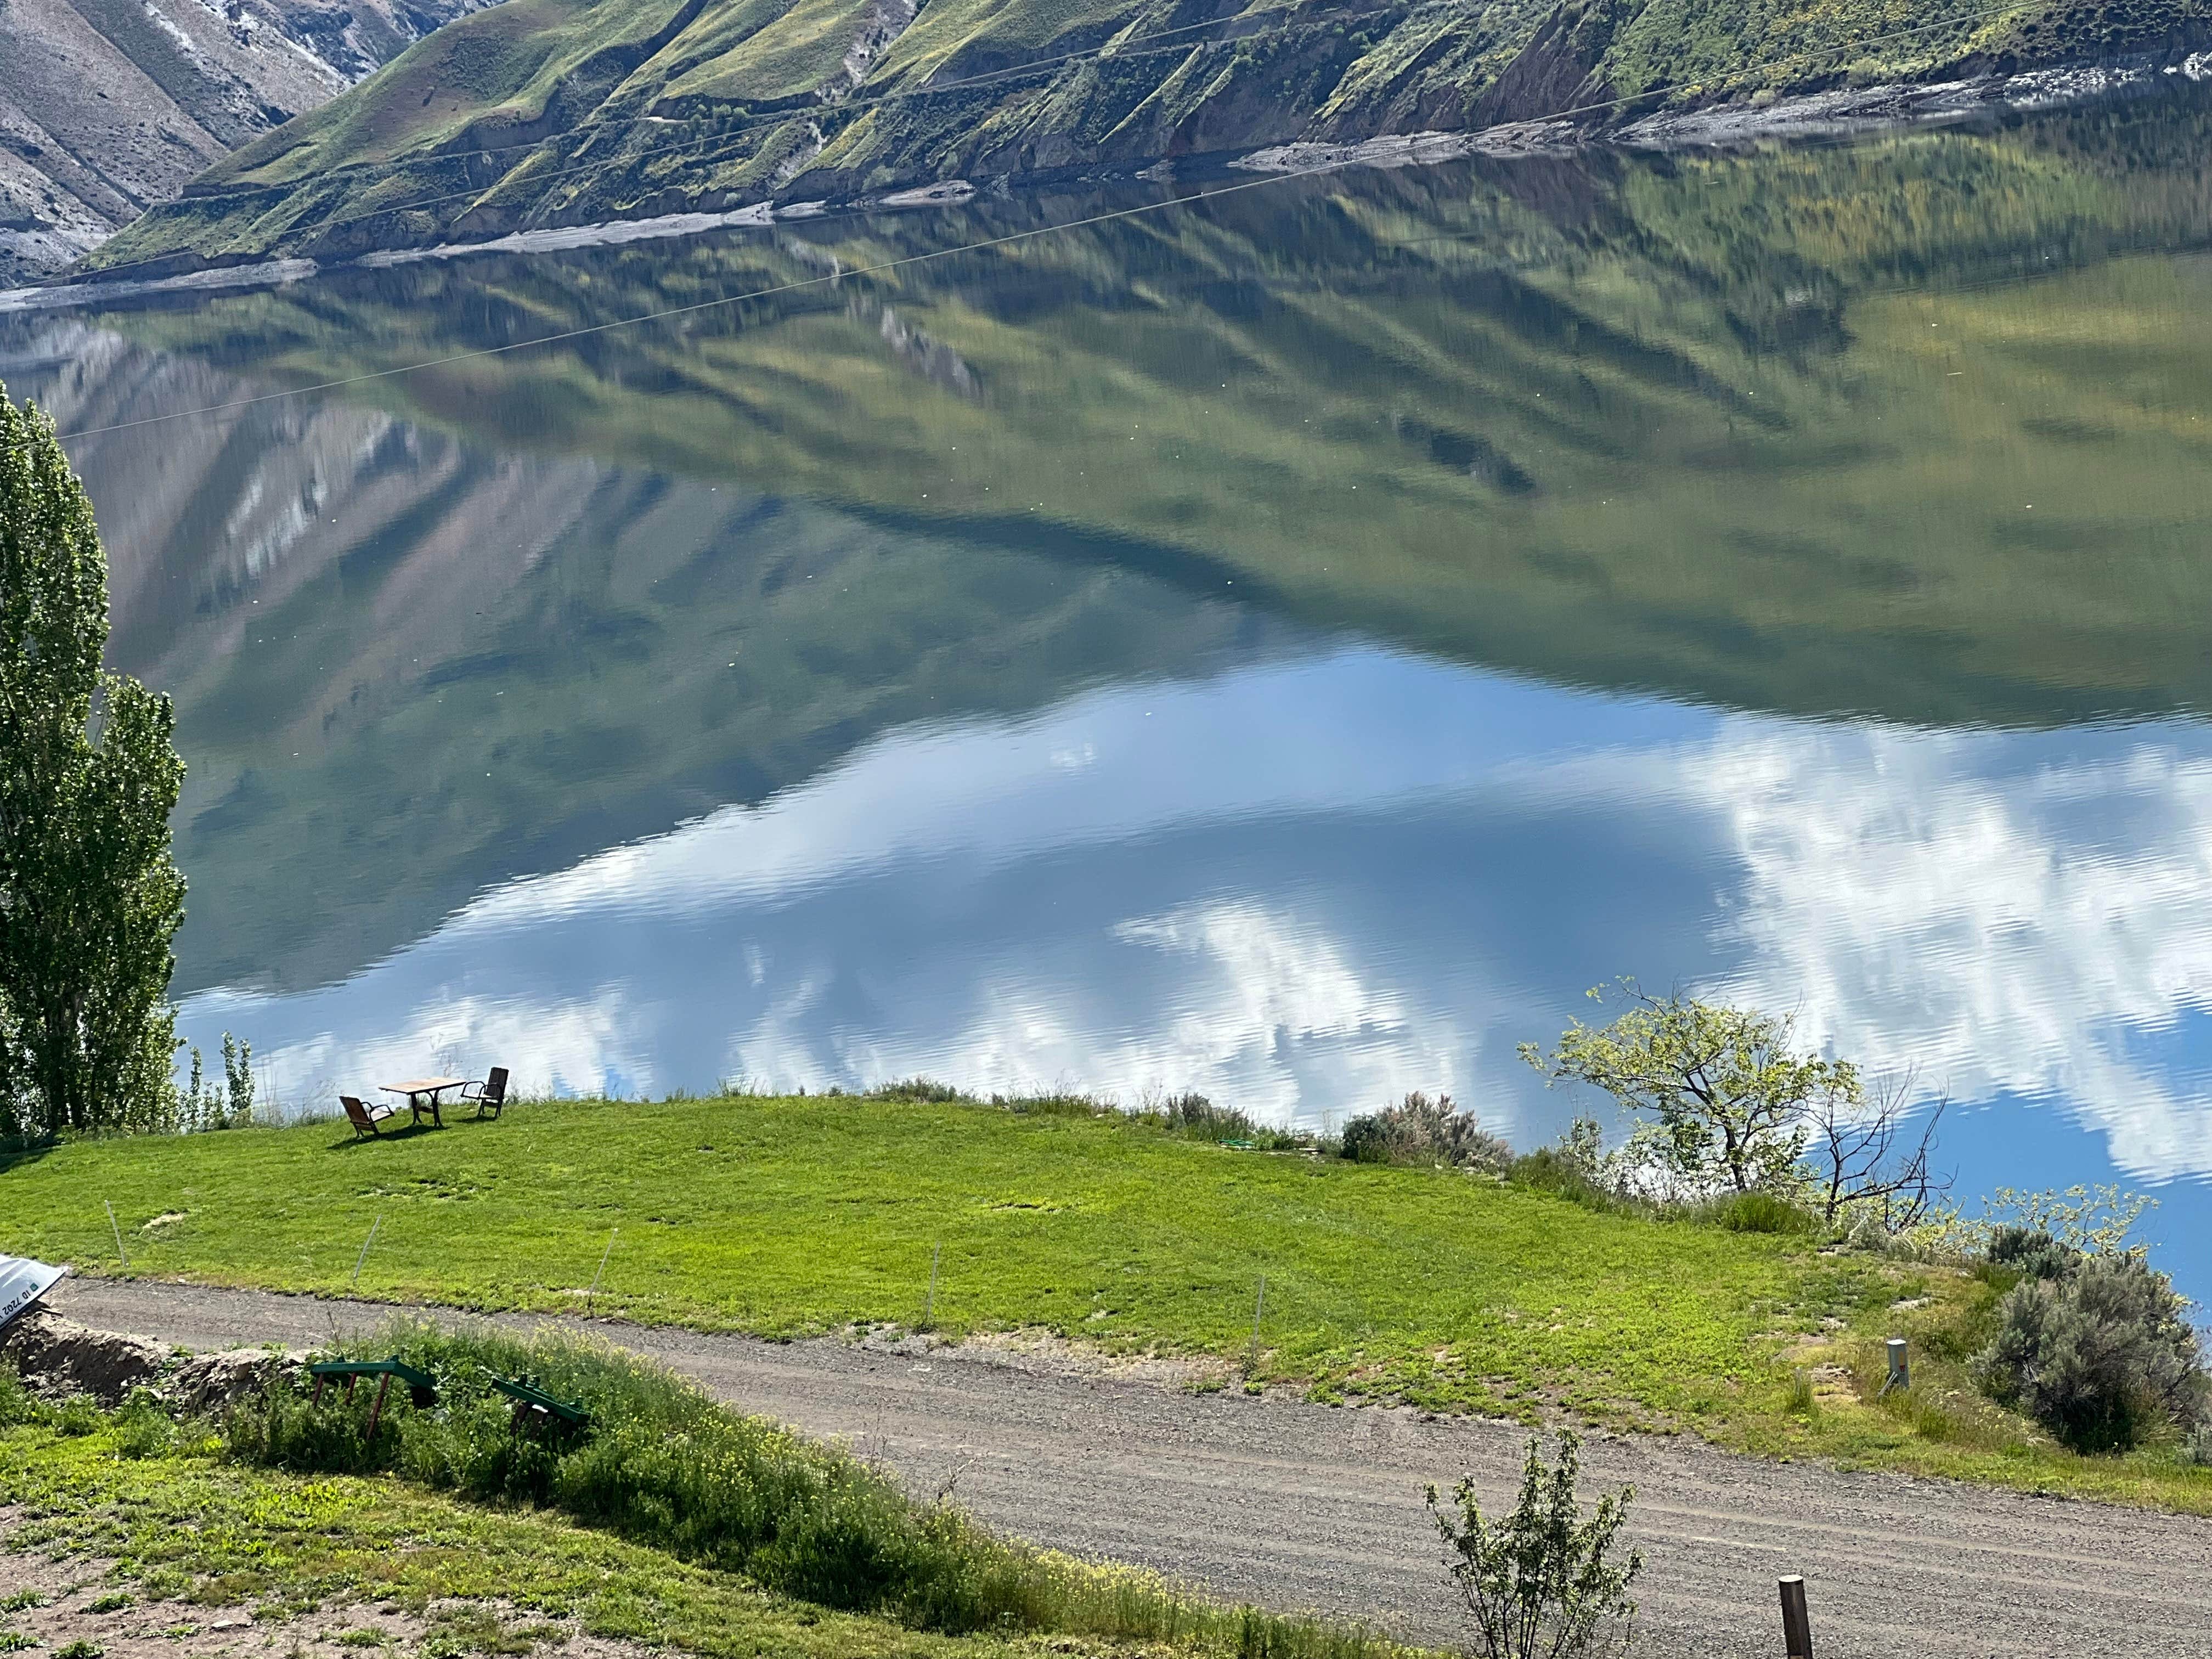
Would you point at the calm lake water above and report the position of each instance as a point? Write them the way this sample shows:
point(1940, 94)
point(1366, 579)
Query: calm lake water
point(1287, 646)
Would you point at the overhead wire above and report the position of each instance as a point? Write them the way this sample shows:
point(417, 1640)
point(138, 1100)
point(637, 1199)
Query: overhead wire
point(722, 140)
point(838, 275)
point(842, 272)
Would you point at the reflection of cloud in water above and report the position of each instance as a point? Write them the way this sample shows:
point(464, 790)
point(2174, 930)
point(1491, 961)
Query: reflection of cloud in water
point(2010, 924)
point(1304, 889)
point(1235, 1001)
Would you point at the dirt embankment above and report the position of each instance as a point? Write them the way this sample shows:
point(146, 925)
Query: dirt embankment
point(1290, 1503)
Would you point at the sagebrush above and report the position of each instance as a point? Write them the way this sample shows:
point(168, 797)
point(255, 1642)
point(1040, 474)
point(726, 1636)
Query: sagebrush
point(1419, 1130)
point(2098, 1348)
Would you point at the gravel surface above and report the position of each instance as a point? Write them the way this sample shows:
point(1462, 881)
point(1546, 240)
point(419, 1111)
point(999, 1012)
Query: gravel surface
point(1294, 1505)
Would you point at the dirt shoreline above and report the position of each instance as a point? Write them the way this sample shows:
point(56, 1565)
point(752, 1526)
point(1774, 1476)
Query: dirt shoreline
point(1294, 1505)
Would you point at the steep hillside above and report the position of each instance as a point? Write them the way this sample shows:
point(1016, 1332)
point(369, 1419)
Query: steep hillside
point(107, 106)
point(567, 111)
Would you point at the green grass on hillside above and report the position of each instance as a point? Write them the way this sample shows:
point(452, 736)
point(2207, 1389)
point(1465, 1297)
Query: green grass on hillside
point(183, 1525)
point(795, 1217)
point(790, 1217)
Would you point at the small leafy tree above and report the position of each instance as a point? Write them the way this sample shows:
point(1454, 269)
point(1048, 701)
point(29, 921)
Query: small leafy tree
point(1729, 1102)
point(1542, 1583)
point(89, 898)
point(203, 1105)
point(1726, 1087)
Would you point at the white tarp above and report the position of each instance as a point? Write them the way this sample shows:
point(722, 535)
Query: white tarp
point(22, 1282)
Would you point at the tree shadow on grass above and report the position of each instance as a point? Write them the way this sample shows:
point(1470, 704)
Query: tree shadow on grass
point(15, 1153)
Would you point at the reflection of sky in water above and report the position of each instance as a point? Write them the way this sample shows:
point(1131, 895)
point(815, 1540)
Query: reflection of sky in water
point(1304, 889)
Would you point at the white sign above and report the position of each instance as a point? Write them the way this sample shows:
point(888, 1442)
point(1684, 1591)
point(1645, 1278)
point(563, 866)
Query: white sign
point(22, 1282)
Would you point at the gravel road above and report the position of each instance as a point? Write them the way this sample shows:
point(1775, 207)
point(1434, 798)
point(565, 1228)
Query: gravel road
point(1293, 1504)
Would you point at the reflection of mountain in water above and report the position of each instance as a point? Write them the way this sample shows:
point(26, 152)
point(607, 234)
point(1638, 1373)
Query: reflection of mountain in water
point(1895, 428)
point(407, 671)
point(1763, 429)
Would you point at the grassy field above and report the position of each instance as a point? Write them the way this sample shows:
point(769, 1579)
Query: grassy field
point(792, 1216)
point(304, 1557)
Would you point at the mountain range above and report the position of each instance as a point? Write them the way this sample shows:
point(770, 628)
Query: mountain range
point(109, 106)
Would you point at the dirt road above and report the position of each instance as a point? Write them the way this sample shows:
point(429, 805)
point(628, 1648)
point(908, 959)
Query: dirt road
point(1293, 1504)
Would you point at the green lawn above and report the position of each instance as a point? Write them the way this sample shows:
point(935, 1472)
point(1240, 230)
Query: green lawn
point(220, 1535)
point(789, 1216)
point(798, 1216)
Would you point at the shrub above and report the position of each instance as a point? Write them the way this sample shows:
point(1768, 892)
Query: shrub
point(1196, 1118)
point(1541, 1581)
point(2100, 1353)
point(1419, 1130)
point(919, 1090)
point(1756, 1211)
point(143, 1428)
point(1576, 1167)
point(1548, 1169)
point(2033, 1254)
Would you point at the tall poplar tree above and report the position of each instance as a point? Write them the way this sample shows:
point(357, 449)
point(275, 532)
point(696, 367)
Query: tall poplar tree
point(89, 897)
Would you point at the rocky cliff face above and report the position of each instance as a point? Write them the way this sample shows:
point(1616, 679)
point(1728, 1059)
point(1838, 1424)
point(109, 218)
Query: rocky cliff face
point(109, 106)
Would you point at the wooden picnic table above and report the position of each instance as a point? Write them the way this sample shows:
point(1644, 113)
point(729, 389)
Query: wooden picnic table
point(422, 1092)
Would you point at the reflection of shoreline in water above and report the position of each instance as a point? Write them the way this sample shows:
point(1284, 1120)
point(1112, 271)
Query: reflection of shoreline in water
point(1307, 886)
point(1683, 429)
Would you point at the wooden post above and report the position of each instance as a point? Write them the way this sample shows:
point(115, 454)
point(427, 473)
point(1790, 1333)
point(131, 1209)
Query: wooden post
point(1797, 1623)
point(1258, 1307)
point(112, 1222)
point(377, 1410)
point(929, 1306)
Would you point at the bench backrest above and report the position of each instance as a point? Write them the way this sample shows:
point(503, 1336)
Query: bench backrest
point(357, 1111)
point(495, 1087)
